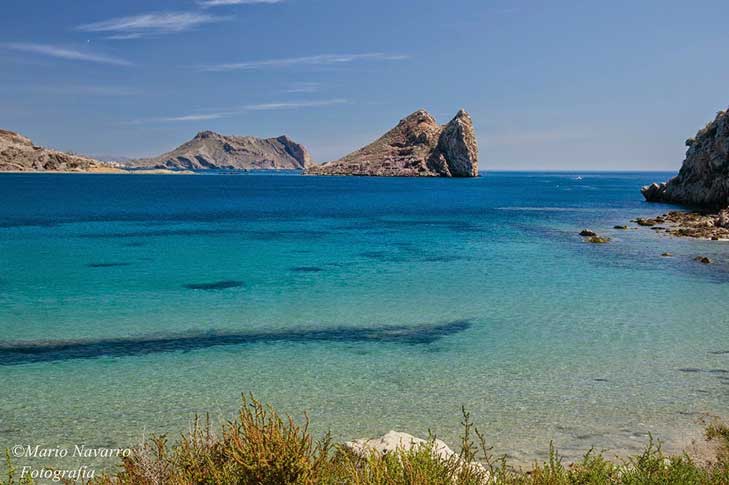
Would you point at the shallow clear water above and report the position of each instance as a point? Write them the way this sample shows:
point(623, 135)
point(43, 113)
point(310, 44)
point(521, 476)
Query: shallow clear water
point(130, 303)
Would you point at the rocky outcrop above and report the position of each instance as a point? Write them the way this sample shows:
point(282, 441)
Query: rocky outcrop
point(210, 150)
point(698, 225)
point(19, 154)
point(703, 180)
point(395, 442)
point(416, 147)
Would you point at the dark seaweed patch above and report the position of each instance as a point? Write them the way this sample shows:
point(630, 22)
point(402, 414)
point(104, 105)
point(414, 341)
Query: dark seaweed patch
point(215, 285)
point(719, 352)
point(46, 351)
point(158, 233)
point(307, 269)
point(282, 235)
point(600, 379)
point(106, 265)
point(690, 370)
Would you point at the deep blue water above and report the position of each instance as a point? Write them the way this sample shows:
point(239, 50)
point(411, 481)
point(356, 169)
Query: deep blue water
point(129, 303)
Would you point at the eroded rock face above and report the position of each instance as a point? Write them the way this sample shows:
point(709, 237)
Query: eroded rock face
point(703, 180)
point(416, 147)
point(210, 150)
point(19, 154)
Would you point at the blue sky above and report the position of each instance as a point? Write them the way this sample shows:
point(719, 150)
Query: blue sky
point(550, 84)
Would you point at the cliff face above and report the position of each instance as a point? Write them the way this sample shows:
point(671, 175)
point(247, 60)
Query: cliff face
point(18, 153)
point(416, 147)
point(209, 150)
point(703, 180)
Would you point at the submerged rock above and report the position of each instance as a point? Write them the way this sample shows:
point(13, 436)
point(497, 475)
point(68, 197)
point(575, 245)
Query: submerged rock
point(646, 222)
point(703, 259)
point(598, 240)
point(417, 146)
point(624, 228)
point(587, 233)
point(703, 180)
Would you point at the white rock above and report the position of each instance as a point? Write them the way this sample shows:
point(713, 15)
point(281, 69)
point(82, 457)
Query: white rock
point(395, 440)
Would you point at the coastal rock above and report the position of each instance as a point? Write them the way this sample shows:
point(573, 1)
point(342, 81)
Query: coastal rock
point(393, 441)
point(416, 147)
point(703, 180)
point(703, 259)
point(646, 222)
point(700, 225)
point(19, 154)
point(598, 239)
point(210, 150)
point(587, 233)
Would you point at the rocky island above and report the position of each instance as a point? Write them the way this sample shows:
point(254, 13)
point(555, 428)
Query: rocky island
point(19, 154)
point(210, 150)
point(417, 147)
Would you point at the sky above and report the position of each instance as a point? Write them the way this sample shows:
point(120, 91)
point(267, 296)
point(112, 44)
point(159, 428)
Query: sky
point(551, 85)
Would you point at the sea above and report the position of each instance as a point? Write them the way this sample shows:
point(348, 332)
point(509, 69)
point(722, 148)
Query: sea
point(129, 304)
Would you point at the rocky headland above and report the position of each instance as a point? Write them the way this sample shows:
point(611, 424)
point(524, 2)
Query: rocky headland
point(19, 154)
point(417, 147)
point(701, 184)
point(210, 150)
point(703, 180)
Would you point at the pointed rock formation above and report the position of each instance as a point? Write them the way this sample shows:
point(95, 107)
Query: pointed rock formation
point(703, 180)
point(19, 154)
point(210, 150)
point(417, 146)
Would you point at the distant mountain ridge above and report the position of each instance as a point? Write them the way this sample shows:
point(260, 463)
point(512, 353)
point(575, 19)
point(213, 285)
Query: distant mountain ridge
point(19, 154)
point(210, 150)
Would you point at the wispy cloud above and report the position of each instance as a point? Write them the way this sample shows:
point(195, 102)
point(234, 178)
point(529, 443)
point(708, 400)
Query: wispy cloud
point(156, 23)
point(221, 3)
point(293, 105)
point(303, 88)
point(318, 60)
point(67, 53)
point(250, 107)
point(86, 90)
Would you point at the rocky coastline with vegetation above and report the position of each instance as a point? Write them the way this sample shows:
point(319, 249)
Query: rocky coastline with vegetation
point(262, 447)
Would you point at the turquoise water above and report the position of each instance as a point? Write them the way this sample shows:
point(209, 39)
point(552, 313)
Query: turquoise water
point(130, 303)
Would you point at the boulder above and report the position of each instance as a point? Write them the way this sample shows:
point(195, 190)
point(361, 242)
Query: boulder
point(393, 441)
point(587, 233)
